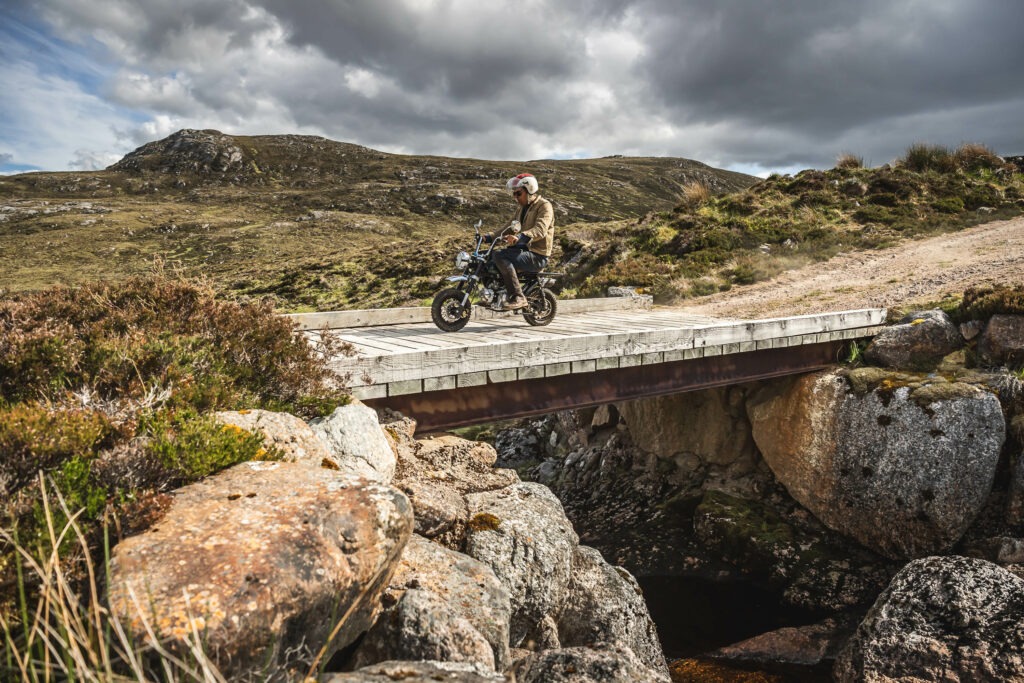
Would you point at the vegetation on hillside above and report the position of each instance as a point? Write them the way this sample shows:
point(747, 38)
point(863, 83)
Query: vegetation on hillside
point(106, 395)
point(308, 223)
point(710, 243)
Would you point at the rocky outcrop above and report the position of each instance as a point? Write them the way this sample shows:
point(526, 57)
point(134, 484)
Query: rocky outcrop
point(604, 604)
point(186, 151)
point(353, 435)
point(522, 533)
point(258, 559)
point(903, 466)
point(917, 342)
point(1002, 341)
point(585, 665)
point(941, 619)
point(285, 432)
point(437, 473)
point(443, 606)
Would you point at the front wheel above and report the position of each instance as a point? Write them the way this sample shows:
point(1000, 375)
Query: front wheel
point(541, 310)
point(448, 312)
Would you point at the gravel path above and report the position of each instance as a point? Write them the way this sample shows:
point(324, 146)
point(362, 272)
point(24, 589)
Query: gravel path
point(909, 274)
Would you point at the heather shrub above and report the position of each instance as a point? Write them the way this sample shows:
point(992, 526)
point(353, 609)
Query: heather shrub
point(34, 436)
point(120, 340)
point(981, 303)
point(975, 157)
point(106, 391)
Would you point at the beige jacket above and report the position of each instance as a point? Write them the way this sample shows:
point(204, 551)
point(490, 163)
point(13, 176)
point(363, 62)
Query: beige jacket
point(539, 225)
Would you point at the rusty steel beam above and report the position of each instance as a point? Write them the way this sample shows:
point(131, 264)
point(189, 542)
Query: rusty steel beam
point(439, 410)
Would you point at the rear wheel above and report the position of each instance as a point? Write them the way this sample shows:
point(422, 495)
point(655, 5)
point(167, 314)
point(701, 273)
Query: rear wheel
point(541, 310)
point(447, 311)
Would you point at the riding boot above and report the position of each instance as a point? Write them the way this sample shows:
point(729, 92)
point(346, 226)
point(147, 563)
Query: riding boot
point(515, 290)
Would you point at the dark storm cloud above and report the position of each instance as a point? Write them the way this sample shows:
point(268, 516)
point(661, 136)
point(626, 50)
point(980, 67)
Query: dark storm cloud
point(750, 85)
point(438, 45)
point(826, 67)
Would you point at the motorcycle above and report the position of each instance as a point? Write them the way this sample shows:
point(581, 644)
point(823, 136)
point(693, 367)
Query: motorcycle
point(453, 307)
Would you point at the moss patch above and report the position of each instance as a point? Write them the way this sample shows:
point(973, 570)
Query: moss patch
point(484, 521)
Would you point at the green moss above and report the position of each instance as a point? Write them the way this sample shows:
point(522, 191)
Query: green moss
point(744, 530)
point(941, 390)
point(484, 521)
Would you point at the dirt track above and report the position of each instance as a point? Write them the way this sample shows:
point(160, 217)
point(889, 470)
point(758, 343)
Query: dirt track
point(909, 274)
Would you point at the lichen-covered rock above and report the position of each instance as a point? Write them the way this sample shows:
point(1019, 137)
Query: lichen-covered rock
point(605, 605)
point(285, 432)
point(436, 473)
point(354, 436)
point(418, 672)
point(444, 606)
point(258, 558)
point(917, 342)
point(423, 626)
point(903, 469)
point(941, 619)
point(521, 531)
point(1002, 342)
point(585, 665)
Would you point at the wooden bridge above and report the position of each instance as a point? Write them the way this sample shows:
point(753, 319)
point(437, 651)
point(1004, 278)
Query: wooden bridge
point(595, 351)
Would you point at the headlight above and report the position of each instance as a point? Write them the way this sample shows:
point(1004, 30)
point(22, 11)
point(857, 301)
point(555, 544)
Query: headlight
point(461, 260)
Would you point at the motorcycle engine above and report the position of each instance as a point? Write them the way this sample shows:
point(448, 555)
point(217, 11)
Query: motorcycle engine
point(487, 295)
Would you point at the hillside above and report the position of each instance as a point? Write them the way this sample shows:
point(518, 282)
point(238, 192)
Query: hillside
point(310, 222)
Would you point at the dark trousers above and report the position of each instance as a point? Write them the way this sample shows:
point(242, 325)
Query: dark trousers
point(511, 260)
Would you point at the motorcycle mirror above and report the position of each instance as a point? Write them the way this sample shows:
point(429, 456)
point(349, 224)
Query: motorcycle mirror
point(479, 223)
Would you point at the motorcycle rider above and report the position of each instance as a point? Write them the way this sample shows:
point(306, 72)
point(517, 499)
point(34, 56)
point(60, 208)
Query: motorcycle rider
point(529, 250)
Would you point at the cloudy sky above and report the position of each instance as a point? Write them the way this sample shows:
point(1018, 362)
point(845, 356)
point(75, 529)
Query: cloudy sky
point(755, 86)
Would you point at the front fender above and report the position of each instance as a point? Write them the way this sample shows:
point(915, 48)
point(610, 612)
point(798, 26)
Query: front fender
point(457, 278)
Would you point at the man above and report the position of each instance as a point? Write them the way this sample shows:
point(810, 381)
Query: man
point(529, 251)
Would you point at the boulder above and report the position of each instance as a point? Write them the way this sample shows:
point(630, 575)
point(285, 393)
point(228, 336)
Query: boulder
point(801, 645)
point(941, 619)
point(445, 606)
point(417, 672)
point(917, 342)
point(1002, 342)
point(605, 605)
point(585, 665)
point(260, 559)
point(423, 626)
point(902, 467)
point(436, 472)
point(285, 432)
point(354, 436)
point(694, 429)
point(521, 531)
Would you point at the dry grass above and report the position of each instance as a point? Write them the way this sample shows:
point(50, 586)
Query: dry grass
point(849, 161)
point(695, 193)
point(61, 631)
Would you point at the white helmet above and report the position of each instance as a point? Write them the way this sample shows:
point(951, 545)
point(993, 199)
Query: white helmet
point(525, 181)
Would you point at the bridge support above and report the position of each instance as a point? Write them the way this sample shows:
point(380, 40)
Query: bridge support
point(439, 410)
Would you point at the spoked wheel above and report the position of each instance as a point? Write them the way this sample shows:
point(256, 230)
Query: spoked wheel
point(541, 310)
point(447, 310)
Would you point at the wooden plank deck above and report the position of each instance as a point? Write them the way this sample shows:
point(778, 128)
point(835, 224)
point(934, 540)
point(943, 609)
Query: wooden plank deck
point(406, 357)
